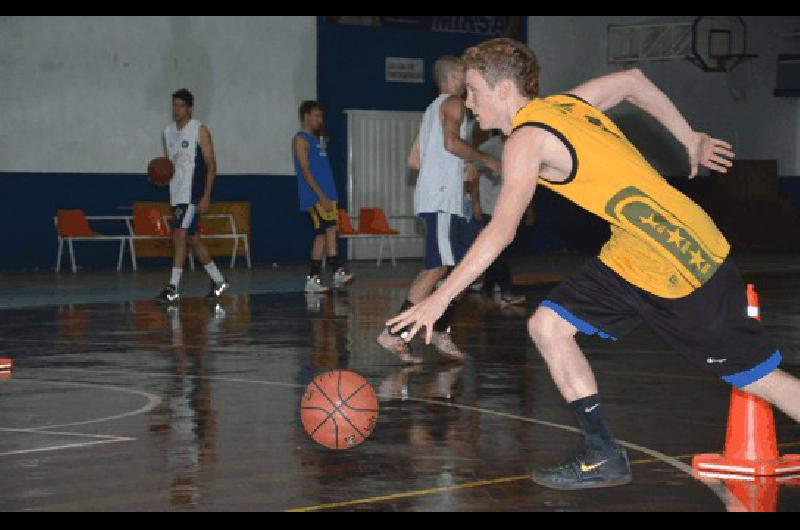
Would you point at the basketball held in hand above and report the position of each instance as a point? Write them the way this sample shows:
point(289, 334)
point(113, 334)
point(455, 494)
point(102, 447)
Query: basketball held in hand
point(160, 172)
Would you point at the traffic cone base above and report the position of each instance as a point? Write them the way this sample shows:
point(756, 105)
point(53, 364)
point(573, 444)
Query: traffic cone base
point(787, 465)
point(6, 368)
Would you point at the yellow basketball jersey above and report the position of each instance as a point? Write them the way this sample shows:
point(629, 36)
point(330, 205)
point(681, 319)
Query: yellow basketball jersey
point(661, 241)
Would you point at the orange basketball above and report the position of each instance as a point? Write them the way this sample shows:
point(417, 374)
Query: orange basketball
point(339, 410)
point(160, 171)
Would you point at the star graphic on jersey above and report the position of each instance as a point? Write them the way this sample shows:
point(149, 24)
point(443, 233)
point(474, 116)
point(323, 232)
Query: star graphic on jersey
point(650, 221)
point(675, 237)
point(697, 260)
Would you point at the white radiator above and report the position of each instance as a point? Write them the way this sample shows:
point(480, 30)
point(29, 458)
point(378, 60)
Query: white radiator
point(378, 177)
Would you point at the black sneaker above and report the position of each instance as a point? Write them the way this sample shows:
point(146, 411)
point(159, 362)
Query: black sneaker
point(587, 471)
point(170, 295)
point(217, 289)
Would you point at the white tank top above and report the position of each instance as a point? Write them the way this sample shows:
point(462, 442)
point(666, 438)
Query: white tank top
point(440, 187)
point(183, 149)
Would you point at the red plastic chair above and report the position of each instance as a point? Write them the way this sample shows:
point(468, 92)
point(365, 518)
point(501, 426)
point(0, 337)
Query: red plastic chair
point(73, 223)
point(345, 226)
point(149, 222)
point(373, 221)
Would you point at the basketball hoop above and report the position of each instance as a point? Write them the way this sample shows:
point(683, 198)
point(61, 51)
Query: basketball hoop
point(719, 43)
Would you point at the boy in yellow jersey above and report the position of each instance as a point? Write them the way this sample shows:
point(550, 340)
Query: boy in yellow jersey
point(665, 265)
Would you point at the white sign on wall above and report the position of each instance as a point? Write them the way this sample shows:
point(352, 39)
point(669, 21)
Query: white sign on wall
point(400, 70)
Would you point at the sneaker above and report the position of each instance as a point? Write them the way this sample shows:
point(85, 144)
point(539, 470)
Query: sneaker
point(397, 346)
point(587, 471)
point(341, 277)
point(443, 342)
point(170, 295)
point(314, 285)
point(510, 298)
point(217, 289)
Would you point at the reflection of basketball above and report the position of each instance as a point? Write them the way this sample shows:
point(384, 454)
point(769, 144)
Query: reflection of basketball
point(339, 410)
point(160, 171)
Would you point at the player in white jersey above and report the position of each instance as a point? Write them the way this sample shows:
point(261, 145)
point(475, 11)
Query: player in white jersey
point(440, 153)
point(188, 143)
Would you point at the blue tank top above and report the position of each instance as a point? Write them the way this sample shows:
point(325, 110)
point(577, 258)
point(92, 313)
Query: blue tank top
point(320, 166)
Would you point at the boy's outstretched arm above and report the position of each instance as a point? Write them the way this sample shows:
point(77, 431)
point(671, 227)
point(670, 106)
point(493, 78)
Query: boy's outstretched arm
point(633, 86)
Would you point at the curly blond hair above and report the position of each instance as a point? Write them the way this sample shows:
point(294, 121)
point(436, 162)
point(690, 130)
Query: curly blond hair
point(500, 59)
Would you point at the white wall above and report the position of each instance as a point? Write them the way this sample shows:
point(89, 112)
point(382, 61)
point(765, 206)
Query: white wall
point(92, 94)
point(573, 49)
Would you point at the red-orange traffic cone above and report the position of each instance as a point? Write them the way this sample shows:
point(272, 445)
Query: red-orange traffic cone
point(6, 368)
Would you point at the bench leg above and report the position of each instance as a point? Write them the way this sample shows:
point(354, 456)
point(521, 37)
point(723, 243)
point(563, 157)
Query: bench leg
point(72, 256)
point(134, 264)
point(121, 254)
point(392, 250)
point(235, 251)
point(60, 254)
point(380, 250)
point(247, 252)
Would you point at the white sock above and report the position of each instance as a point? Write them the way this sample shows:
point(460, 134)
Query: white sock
point(176, 277)
point(213, 273)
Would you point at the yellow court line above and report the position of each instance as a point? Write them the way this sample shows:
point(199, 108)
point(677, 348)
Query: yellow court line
point(407, 495)
point(467, 486)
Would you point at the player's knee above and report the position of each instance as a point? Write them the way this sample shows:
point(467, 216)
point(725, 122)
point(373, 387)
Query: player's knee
point(546, 327)
point(179, 237)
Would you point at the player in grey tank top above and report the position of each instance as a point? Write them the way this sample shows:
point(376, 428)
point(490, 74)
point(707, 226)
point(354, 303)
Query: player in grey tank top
point(439, 154)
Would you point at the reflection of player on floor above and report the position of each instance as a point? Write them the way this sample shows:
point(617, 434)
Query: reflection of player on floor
point(188, 143)
point(439, 154)
point(317, 190)
point(666, 264)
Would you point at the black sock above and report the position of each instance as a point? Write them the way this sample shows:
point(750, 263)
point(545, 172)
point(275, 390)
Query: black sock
point(333, 263)
point(316, 268)
point(406, 306)
point(590, 418)
point(443, 324)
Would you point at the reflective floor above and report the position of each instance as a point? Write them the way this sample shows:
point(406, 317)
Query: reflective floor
point(131, 406)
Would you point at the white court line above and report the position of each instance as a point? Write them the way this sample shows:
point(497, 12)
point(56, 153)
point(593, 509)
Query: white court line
point(718, 490)
point(153, 401)
point(99, 439)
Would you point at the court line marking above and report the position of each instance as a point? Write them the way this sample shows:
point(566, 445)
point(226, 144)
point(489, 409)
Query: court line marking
point(657, 457)
point(460, 487)
point(99, 439)
point(153, 401)
point(718, 490)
